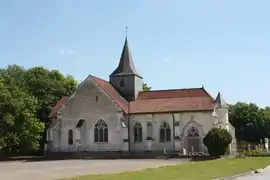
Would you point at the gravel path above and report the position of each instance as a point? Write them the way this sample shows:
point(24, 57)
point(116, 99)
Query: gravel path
point(50, 170)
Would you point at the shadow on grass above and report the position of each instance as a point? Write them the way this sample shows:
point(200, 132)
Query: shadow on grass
point(203, 158)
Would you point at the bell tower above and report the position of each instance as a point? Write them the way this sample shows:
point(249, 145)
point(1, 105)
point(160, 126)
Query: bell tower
point(125, 78)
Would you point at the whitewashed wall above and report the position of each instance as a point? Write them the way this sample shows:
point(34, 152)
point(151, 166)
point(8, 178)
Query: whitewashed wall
point(115, 139)
point(202, 120)
point(90, 103)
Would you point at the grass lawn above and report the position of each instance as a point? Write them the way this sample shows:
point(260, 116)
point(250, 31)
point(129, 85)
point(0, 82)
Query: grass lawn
point(203, 170)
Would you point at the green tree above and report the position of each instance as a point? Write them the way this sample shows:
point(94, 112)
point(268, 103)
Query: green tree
point(146, 87)
point(249, 121)
point(267, 111)
point(20, 129)
point(13, 75)
point(48, 87)
point(35, 92)
point(217, 141)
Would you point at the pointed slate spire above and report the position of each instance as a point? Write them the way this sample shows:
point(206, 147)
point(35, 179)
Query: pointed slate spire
point(126, 65)
point(220, 102)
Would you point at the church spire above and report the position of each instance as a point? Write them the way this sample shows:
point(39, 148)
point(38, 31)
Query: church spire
point(126, 64)
point(220, 102)
point(126, 31)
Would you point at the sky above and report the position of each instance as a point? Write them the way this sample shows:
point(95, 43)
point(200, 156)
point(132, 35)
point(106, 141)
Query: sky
point(223, 45)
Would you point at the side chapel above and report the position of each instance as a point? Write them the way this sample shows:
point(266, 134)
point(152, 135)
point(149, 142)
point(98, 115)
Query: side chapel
point(118, 116)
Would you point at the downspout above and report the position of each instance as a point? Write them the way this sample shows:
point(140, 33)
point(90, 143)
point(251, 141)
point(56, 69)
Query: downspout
point(128, 128)
point(173, 131)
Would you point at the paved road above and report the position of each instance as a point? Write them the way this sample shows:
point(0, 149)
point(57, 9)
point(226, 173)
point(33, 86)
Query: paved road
point(49, 170)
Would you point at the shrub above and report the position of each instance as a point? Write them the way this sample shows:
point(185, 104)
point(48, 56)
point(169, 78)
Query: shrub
point(253, 153)
point(217, 141)
point(241, 155)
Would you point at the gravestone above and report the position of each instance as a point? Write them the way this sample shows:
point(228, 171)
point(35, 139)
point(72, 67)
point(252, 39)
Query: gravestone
point(266, 144)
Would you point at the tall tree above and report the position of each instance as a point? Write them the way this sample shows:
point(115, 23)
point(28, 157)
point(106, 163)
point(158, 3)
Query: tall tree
point(267, 111)
point(248, 120)
point(48, 87)
point(13, 75)
point(20, 129)
point(26, 99)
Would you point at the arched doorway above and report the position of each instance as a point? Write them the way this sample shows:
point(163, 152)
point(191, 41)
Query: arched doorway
point(193, 139)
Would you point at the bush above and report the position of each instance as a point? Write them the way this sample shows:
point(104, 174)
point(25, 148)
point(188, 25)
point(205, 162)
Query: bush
point(253, 153)
point(240, 155)
point(217, 141)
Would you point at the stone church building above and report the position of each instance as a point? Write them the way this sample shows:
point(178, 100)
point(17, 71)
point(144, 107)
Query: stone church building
point(118, 116)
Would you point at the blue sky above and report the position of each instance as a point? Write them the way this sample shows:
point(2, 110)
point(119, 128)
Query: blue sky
point(223, 45)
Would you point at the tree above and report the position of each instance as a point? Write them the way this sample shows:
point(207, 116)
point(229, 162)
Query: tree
point(26, 99)
point(48, 87)
point(146, 87)
point(20, 129)
point(13, 75)
point(267, 111)
point(217, 141)
point(249, 121)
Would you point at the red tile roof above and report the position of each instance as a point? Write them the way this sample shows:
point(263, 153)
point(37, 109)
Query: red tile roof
point(193, 99)
point(112, 93)
point(171, 105)
point(173, 93)
point(159, 101)
point(58, 105)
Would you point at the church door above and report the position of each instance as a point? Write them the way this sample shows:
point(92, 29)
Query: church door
point(193, 140)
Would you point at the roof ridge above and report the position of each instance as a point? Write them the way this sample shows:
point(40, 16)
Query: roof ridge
point(208, 94)
point(98, 78)
point(171, 89)
point(193, 97)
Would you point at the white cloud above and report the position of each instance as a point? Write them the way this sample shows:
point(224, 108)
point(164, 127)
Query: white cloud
point(61, 52)
point(168, 59)
point(66, 52)
point(70, 52)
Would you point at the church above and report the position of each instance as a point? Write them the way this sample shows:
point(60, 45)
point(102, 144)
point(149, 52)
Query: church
point(118, 116)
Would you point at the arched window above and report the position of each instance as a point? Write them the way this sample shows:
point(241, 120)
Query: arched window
point(193, 132)
point(137, 133)
point(165, 132)
point(101, 131)
point(70, 137)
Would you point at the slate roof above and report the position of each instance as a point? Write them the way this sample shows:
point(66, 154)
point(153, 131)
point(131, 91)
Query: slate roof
point(158, 101)
point(126, 65)
point(220, 102)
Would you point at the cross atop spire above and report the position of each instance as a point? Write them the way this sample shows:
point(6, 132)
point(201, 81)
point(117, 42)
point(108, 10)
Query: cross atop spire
point(126, 30)
point(126, 65)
